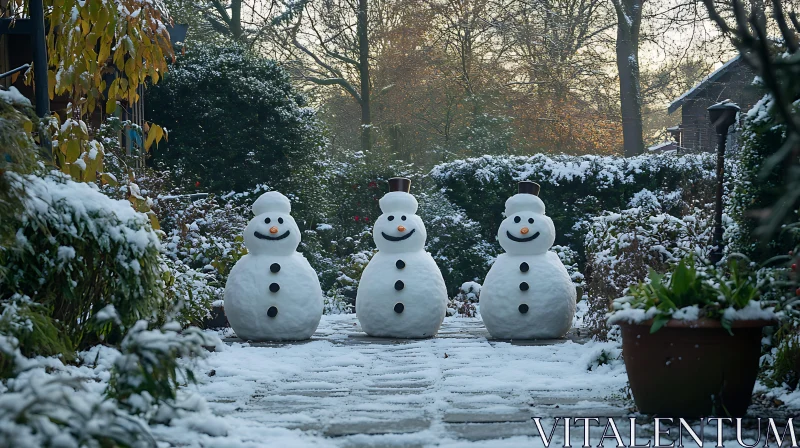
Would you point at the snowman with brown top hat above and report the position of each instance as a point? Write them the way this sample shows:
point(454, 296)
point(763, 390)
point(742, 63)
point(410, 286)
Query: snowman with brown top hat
point(528, 293)
point(401, 293)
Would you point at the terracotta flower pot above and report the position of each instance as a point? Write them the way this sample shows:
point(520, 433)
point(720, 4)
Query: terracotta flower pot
point(692, 368)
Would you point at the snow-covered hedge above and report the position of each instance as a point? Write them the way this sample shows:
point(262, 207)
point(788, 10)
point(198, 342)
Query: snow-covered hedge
point(574, 188)
point(76, 252)
point(621, 247)
point(762, 135)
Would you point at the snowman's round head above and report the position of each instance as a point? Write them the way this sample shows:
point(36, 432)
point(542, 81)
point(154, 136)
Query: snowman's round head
point(526, 229)
point(273, 230)
point(399, 229)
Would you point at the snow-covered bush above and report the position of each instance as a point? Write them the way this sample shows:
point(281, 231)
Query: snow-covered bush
point(455, 241)
point(574, 188)
point(191, 292)
point(147, 374)
point(622, 247)
point(30, 329)
point(77, 251)
point(235, 121)
point(204, 234)
point(465, 303)
point(38, 409)
point(569, 258)
point(50, 403)
point(762, 135)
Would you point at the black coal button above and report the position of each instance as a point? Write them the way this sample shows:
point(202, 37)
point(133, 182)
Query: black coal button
point(274, 287)
point(275, 267)
point(398, 285)
point(399, 307)
point(272, 311)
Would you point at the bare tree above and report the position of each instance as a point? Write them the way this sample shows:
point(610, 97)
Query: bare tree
point(629, 22)
point(328, 43)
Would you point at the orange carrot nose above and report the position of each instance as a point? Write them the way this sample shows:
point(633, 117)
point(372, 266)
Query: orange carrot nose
point(524, 230)
point(401, 229)
point(273, 229)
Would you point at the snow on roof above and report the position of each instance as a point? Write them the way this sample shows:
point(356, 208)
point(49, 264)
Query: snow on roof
point(661, 146)
point(678, 102)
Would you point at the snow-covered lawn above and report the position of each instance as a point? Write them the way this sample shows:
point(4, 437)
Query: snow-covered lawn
point(343, 388)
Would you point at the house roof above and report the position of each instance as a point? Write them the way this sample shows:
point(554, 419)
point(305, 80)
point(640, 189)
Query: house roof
point(715, 75)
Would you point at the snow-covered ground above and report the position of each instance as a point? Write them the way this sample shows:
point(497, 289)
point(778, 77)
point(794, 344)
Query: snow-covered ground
point(343, 388)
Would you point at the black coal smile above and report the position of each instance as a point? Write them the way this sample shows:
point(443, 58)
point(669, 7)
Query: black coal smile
point(273, 238)
point(399, 238)
point(521, 240)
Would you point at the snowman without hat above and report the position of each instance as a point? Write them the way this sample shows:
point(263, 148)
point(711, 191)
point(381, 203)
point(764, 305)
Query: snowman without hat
point(528, 293)
point(273, 293)
point(401, 293)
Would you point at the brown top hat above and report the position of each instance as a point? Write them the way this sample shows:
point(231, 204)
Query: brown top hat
point(528, 187)
point(399, 184)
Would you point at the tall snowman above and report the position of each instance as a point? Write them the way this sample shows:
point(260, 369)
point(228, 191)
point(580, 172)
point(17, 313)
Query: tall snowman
point(272, 293)
point(401, 293)
point(527, 293)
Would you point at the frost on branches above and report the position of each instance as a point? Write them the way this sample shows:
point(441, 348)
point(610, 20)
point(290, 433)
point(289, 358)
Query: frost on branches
point(50, 403)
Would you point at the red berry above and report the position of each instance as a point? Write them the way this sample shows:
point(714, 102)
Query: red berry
point(797, 291)
point(197, 184)
point(794, 267)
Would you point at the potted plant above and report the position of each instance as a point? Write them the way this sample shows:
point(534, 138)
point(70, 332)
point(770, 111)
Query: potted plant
point(691, 339)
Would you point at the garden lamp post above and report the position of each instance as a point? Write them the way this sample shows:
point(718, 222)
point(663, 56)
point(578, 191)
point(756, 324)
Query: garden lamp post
point(722, 116)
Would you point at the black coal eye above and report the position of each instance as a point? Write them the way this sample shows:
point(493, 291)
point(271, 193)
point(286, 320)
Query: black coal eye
point(403, 217)
point(530, 220)
point(517, 219)
point(280, 220)
point(390, 218)
point(267, 220)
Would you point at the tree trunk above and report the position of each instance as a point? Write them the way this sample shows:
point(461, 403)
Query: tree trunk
point(236, 19)
point(363, 74)
point(629, 17)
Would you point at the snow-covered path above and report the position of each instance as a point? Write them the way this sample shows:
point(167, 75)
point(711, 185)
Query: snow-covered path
point(343, 388)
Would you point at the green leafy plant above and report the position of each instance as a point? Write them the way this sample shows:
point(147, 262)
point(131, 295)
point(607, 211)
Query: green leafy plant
point(691, 291)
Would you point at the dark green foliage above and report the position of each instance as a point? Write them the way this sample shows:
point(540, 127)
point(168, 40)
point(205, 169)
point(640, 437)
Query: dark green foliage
point(34, 330)
point(759, 188)
point(234, 122)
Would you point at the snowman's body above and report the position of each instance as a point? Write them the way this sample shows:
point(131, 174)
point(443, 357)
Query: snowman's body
point(401, 293)
point(421, 296)
point(248, 298)
point(528, 293)
point(273, 293)
point(550, 297)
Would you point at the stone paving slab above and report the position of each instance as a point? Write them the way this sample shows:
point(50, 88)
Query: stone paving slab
point(482, 417)
point(377, 427)
point(361, 391)
point(490, 431)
